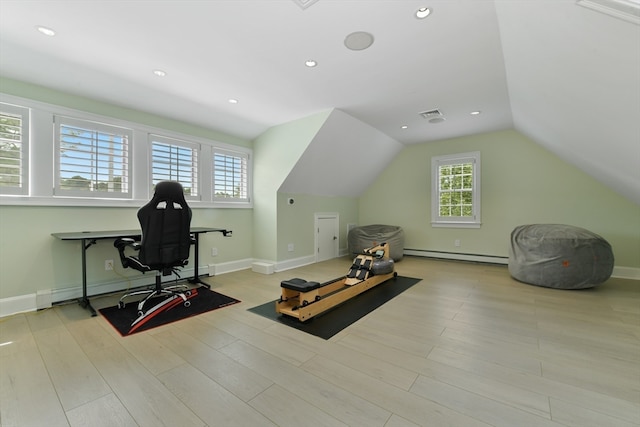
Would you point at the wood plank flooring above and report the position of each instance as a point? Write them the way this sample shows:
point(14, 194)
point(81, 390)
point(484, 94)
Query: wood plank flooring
point(467, 346)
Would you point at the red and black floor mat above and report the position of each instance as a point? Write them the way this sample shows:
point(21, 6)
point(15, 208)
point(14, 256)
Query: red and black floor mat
point(162, 310)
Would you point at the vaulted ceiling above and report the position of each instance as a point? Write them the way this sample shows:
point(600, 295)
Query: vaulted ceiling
point(565, 75)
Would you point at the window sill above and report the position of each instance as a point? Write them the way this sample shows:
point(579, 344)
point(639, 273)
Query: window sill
point(6, 200)
point(455, 224)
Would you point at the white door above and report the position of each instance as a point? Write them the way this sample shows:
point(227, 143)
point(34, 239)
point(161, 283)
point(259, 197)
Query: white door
point(326, 236)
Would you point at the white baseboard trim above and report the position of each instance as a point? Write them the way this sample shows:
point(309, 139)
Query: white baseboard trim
point(229, 267)
point(67, 294)
point(619, 272)
point(294, 263)
point(626, 273)
point(29, 302)
point(19, 304)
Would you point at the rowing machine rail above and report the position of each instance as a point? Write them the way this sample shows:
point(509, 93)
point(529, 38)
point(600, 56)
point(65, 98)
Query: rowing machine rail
point(305, 300)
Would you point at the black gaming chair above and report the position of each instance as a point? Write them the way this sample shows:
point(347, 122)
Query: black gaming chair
point(165, 243)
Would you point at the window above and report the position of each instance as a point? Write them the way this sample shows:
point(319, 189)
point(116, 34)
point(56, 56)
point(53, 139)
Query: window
point(92, 159)
point(177, 161)
point(455, 197)
point(231, 176)
point(14, 146)
point(84, 159)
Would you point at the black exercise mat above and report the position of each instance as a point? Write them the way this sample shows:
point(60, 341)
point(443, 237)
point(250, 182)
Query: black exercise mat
point(333, 321)
point(202, 300)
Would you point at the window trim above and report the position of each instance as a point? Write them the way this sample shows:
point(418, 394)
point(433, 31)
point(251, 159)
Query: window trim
point(42, 160)
point(235, 151)
point(25, 115)
point(456, 222)
point(197, 148)
point(61, 120)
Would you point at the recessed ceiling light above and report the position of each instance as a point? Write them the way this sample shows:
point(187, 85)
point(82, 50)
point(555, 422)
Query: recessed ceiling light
point(233, 101)
point(475, 113)
point(404, 127)
point(310, 63)
point(46, 31)
point(159, 73)
point(423, 12)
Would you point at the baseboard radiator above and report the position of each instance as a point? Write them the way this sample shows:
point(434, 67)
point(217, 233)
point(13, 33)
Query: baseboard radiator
point(489, 259)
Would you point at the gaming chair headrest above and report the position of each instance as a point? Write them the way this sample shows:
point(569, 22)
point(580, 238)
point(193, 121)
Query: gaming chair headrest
point(169, 191)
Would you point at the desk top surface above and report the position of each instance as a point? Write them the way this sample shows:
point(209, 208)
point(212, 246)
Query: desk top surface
point(114, 234)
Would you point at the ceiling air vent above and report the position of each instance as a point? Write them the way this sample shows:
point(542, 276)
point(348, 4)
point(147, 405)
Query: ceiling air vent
point(433, 116)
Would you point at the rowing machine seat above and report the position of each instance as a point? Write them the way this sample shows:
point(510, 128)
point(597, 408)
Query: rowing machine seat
point(299, 285)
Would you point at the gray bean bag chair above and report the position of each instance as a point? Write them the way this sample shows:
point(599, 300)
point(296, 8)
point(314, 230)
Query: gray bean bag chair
point(361, 238)
point(559, 256)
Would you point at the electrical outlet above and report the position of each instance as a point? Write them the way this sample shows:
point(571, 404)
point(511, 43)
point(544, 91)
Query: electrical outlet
point(108, 264)
point(457, 243)
point(214, 251)
point(290, 247)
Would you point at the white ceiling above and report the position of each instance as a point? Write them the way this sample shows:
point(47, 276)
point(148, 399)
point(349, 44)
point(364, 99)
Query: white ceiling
point(564, 75)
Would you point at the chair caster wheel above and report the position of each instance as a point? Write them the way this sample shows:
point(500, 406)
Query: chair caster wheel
point(187, 303)
point(121, 304)
point(318, 297)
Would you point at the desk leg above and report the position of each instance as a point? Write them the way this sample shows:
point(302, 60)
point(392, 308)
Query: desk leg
point(84, 301)
point(196, 277)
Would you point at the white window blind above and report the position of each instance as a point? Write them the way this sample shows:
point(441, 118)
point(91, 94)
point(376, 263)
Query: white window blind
point(456, 190)
point(230, 176)
point(14, 145)
point(176, 161)
point(92, 159)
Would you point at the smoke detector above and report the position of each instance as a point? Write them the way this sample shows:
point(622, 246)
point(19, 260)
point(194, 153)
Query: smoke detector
point(360, 40)
point(433, 116)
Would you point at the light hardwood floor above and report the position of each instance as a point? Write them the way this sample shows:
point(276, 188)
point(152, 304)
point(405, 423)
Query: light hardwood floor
point(467, 346)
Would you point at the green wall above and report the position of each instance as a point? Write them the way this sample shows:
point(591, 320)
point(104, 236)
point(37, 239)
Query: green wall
point(296, 222)
point(31, 259)
point(276, 151)
point(522, 183)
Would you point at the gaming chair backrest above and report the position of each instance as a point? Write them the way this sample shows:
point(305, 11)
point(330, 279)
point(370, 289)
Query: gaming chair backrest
point(165, 223)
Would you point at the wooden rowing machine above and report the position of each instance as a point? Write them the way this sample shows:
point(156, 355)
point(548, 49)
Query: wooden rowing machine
point(304, 300)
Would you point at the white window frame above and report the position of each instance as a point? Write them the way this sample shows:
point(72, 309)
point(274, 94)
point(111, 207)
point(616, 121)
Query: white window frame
point(473, 221)
point(24, 114)
point(188, 182)
point(42, 161)
point(125, 193)
point(246, 159)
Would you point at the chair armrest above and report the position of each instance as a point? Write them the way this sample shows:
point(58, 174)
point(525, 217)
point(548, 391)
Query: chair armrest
point(123, 243)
